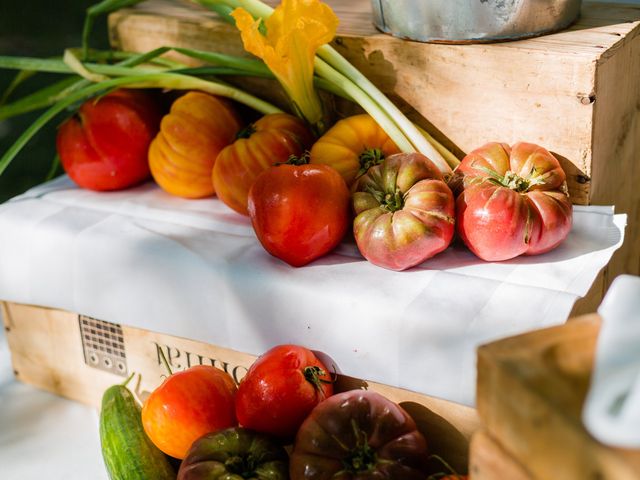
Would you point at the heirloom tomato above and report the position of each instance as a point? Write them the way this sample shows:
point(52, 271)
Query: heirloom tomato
point(270, 140)
point(358, 435)
point(405, 212)
point(280, 389)
point(186, 406)
point(514, 201)
point(104, 146)
point(191, 136)
point(299, 212)
point(235, 453)
point(352, 146)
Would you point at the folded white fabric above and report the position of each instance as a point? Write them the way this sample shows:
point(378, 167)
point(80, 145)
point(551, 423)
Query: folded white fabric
point(194, 268)
point(612, 409)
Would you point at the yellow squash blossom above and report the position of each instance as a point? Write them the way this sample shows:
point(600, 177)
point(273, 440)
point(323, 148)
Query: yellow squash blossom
point(295, 31)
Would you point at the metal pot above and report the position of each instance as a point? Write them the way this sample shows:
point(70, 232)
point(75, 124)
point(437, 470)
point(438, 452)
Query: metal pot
point(466, 21)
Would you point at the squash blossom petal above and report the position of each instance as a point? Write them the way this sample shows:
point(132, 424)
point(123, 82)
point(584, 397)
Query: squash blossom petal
point(295, 31)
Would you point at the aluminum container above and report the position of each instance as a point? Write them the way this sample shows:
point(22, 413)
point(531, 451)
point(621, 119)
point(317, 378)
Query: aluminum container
point(467, 21)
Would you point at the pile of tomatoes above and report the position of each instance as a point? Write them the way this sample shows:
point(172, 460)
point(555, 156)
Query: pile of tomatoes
point(287, 397)
point(303, 194)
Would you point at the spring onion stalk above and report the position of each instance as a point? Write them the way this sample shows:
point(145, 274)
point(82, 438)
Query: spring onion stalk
point(20, 77)
point(450, 158)
point(49, 95)
point(40, 99)
point(399, 128)
point(150, 80)
point(371, 107)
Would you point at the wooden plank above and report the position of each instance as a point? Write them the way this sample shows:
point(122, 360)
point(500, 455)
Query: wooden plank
point(47, 352)
point(489, 461)
point(615, 173)
point(531, 389)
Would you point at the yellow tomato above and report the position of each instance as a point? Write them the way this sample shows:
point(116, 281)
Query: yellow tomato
point(191, 136)
point(353, 145)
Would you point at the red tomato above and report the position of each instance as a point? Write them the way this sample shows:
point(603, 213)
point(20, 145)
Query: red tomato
point(405, 212)
point(280, 389)
point(514, 201)
point(270, 140)
point(188, 405)
point(299, 212)
point(104, 146)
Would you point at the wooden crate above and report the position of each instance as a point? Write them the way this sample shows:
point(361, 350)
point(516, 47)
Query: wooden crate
point(575, 92)
point(531, 389)
point(79, 357)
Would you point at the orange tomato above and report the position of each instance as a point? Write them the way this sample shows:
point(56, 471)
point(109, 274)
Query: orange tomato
point(270, 140)
point(188, 405)
point(353, 145)
point(191, 136)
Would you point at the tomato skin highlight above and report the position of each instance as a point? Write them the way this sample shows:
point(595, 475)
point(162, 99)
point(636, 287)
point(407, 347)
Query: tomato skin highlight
point(275, 397)
point(104, 147)
point(188, 405)
point(514, 201)
point(299, 212)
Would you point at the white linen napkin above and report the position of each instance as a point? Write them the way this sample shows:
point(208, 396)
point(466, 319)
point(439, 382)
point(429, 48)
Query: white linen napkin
point(612, 409)
point(193, 268)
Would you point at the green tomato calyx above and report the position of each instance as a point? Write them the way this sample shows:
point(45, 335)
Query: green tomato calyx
point(242, 466)
point(361, 458)
point(246, 132)
point(312, 375)
point(369, 158)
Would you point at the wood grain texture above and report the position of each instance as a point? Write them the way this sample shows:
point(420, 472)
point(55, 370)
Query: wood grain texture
point(531, 389)
point(489, 461)
point(46, 352)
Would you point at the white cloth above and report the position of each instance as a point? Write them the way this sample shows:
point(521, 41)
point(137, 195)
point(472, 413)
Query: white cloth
point(43, 435)
point(194, 268)
point(612, 409)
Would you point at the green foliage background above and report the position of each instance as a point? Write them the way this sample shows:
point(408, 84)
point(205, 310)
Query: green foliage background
point(38, 28)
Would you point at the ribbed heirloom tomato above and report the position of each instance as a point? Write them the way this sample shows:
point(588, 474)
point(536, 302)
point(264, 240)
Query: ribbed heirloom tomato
point(270, 140)
point(191, 136)
point(405, 212)
point(359, 435)
point(280, 389)
point(514, 201)
point(188, 405)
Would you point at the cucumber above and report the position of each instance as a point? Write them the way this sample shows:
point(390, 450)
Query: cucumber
point(127, 451)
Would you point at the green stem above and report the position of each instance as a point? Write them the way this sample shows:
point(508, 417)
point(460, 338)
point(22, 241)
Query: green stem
point(158, 80)
point(54, 168)
point(370, 106)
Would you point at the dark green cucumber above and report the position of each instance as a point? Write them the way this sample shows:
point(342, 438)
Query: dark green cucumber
point(127, 451)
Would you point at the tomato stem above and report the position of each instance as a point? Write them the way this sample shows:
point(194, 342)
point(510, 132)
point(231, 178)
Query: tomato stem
point(445, 464)
point(312, 375)
point(369, 158)
point(296, 160)
point(246, 132)
point(361, 458)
